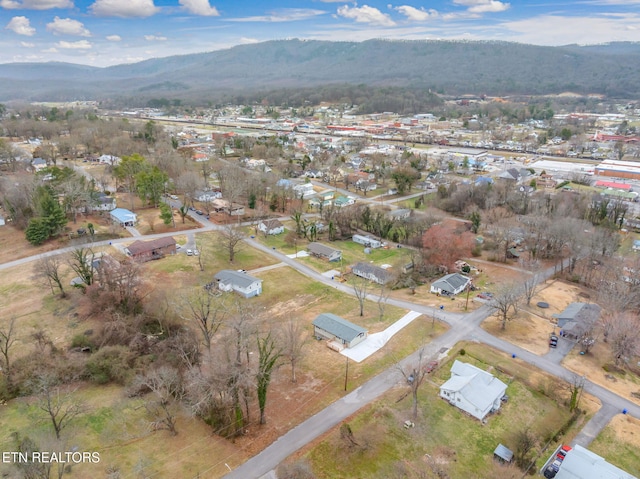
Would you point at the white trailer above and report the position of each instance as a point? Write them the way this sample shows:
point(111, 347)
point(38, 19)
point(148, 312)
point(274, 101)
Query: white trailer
point(366, 241)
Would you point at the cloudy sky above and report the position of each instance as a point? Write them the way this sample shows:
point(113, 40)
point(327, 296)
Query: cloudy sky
point(108, 32)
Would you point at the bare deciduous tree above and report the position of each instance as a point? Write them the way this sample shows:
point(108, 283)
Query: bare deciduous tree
point(60, 405)
point(48, 270)
point(166, 385)
point(7, 339)
point(207, 310)
point(383, 295)
point(624, 337)
point(361, 290)
point(293, 342)
point(415, 376)
point(506, 302)
point(231, 237)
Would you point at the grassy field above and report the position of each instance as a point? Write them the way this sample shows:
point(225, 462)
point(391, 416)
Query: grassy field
point(619, 443)
point(460, 445)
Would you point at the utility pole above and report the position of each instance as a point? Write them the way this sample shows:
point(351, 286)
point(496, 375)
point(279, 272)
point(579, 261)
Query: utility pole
point(346, 374)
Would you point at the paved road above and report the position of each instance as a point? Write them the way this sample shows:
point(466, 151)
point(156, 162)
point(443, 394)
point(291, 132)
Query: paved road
point(463, 326)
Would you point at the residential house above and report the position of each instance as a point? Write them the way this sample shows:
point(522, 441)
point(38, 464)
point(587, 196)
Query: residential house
point(336, 329)
point(38, 164)
point(104, 202)
point(143, 251)
point(242, 283)
point(109, 160)
point(325, 252)
point(220, 205)
point(451, 284)
point(371, 272)
point(515, 175)
point(342, 201)
point(545, 181)
point(123, 217)
point(577, 319)
point(400, 214)
point(304, 190)
point(483, 181)
point(207, 196)
point(271, 227)
point(473, 390)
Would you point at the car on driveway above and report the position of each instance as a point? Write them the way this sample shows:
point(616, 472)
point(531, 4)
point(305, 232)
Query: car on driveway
point(431, 366)
point(189, 252)
point(199, 212)
point(553, 341)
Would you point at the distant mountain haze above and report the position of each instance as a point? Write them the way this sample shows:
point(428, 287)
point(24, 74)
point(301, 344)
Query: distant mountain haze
point(449, 67)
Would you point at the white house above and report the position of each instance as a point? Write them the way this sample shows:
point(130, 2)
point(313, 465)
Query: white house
point(104, 202)
point(241, 283)
point(271, 227)
point(473, 390)
point(304, 190)
point(109, 160)
point(207, 196)
point(451, 284)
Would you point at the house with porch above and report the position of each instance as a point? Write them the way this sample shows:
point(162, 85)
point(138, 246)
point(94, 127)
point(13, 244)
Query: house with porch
point(473, 390)
point(271, 227)
point(324, 252)
point(577, 319)
point(123, 217)
point(450, 284)
point(143, 251)
point(336, 329)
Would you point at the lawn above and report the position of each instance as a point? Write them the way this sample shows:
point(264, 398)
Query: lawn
point(619, 443)
point(459, 444)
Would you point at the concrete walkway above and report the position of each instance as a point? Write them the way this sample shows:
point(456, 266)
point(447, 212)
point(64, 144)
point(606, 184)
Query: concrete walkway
point(595, 425)
point(376, 341)
point(134, 232)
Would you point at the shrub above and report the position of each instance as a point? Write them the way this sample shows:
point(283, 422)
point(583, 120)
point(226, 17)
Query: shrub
point(82, 341)
point(111, 363)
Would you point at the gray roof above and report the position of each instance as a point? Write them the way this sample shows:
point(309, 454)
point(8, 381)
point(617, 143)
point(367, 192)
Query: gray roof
point(578, 312)
point(229, 276)
point(580, 463)
point(451, 282)
point(321, 249)
point(370, 269)
point(338, 326)
point(478, 387)
point(503, 453)
point(272, 224)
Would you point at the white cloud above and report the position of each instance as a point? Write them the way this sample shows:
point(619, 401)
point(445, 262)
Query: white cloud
point(50, 50)
point(282, 15)
point(483, 6)
point(113, 38)
point(416, 15)
point(154, 38)
point(67, 26)
point(564, 30)
point(124, 8)
point(21, 26)
point(27, 44)
point(79, 45)
point(35, 4)
point(246, 41)
point(366, 14)
point(200, 7)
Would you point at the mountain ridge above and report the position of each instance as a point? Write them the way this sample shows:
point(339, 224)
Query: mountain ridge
point(451, 67)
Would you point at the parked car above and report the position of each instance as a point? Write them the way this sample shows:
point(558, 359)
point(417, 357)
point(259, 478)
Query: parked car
point(550, 472)
point(563, 452)
point(553, 341)
point(189, 252)
point(431, 366)
point(199, 212)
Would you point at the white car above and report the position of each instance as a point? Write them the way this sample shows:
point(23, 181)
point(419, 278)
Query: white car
point(196, 252)
point(173, 197)
point(189, 252)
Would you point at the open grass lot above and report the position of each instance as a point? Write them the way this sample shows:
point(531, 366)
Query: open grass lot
point(116, 427)
point(459, 444)
point(619, 443)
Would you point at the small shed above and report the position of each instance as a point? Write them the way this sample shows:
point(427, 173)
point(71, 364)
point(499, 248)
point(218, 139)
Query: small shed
point(503, 454)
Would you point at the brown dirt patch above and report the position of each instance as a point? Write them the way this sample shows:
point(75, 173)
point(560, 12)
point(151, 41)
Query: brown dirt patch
point(591, 365)
point(627, 429)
